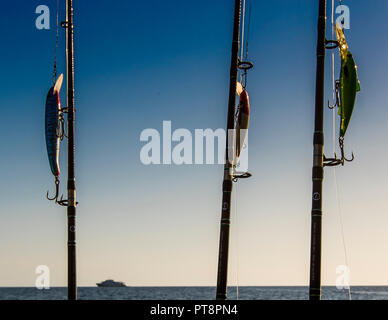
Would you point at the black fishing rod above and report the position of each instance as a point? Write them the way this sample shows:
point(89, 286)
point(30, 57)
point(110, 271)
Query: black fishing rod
point(317, 174)
point(71, 193)
point(228, 167)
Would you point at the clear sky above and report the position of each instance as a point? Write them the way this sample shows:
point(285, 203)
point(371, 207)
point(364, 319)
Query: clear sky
point(138, 63)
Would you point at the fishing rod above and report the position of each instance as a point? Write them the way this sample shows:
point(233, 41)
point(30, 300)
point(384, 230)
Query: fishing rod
point(316, 212)
point(346, 89)
point(55, 132)
point(227, 181)
point(71, 190)
point(237, 123)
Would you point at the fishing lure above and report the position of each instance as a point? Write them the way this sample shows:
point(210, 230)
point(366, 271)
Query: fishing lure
point(241, 129)
point(54, 129)
point(346, 89)
point(348, 84)
point(242, 122)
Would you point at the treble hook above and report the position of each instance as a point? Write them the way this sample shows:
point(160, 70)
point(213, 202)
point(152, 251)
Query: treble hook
point(341, 143)
point(330, 162)
point(61, 131)
point(61, 202)
point(56, 191)
point(337, 96)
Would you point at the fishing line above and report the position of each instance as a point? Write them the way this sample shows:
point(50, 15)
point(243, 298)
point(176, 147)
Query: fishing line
point(236, 241)
point(342, 228)
point(242, 31)
point(248, 31)
point(334, 147)
point(333, 76)
point(56, 47)
point(242, 37)
point(236, 116)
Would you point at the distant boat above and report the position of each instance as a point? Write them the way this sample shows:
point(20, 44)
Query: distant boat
point(111, 283)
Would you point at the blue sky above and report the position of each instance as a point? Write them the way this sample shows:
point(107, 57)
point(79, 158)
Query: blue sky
point(139, 63)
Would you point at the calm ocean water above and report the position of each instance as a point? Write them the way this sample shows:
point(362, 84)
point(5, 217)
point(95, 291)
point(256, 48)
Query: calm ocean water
point(193, 293)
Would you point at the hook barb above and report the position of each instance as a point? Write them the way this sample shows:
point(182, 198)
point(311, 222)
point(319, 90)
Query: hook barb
point(337, 96)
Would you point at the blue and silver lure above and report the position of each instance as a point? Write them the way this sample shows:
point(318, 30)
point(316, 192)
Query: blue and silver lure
point(53, 119)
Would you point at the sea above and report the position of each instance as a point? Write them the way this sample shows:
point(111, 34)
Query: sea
point(193, 293)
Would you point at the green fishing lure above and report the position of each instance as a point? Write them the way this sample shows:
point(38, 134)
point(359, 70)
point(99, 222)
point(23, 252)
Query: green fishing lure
point(348, 83)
